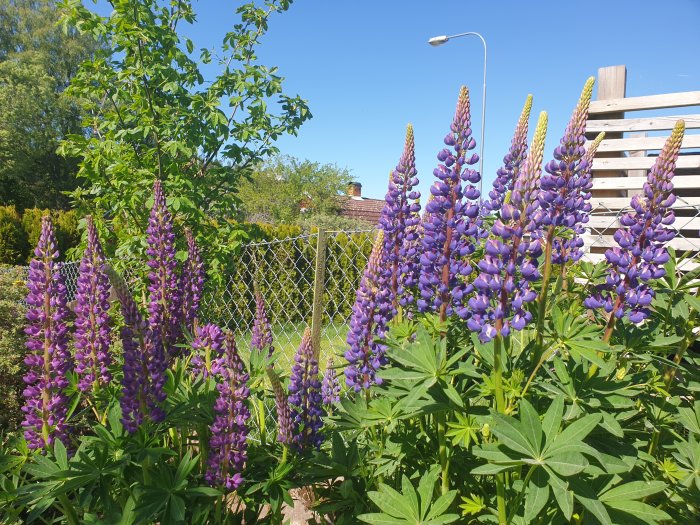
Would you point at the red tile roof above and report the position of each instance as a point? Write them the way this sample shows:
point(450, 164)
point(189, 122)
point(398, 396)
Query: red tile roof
point(362, 209)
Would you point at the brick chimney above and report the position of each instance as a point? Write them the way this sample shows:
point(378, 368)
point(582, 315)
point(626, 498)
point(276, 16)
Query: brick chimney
point(354, 189)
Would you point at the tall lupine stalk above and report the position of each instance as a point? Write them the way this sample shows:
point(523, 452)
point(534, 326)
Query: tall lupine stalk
point(191, 282)
point(284, 417)
point(144, 363)
point(229, 432)
point(509, 265)
point(642, 239)
point(207, 349)
point(452, 222)
point(92, 320)
point(398, 220)
point(261, 339)
point(564, 198)
point(512, 162)
point(330, 388)
point(48, 359)
point(368, 322)
point(164, 308)
point(305, 397)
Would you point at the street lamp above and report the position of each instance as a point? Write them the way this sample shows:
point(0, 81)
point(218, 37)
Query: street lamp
point(438, 41)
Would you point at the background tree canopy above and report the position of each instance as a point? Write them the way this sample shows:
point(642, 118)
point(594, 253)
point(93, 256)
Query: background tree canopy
point(285, 190)
point(37, 61)
point(151, 113)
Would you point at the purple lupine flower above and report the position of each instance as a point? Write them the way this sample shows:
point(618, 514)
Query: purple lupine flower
point(207, 350)
point(452, 222)
point(330, 388)
point(398, 219)
point(566, 188)
point(368, 323)
point(509, 264)
point(48, 359)
point(191, 282)
point(229, 432)
point(284, 417)
point(305, 397)
point(164, 306)
point(144, 363)
point(261, 338)
point(512, 162)
point(92, 320)
point(642, 242)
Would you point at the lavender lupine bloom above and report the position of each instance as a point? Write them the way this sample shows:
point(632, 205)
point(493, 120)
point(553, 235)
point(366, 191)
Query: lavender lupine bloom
point(398, 219)
point(191, 282)
point(642, 242)
point(284, 417)
point(229, 432)
point(207, 350)
point(330, 387)
point(305, 397)
point(512, 162)
point(164, 308)
point(261, 338)
point(144, 363)
point(92, 320)
point(565, 189)
point(48, 359)
point(368, 322)
point(452, 222)
point(509, 264)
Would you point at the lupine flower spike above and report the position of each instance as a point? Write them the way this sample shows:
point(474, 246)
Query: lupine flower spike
point(207, 350)
point(330, 388)
point(261, 340)
point(512, 162)
point(144, 363)
point(305, 397)
point(642, 242)
point(92, 321)
point(367, 324)
point(191, 282)
point(398, 220)
point(509, 265)
point(164, 308)
point(284, 418)
point(452, 222)
point(48, 359)
point(229, 432)
point(565, 189)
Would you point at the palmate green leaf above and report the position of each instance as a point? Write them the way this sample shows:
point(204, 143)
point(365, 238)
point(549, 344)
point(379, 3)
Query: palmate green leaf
point(393, 503)
point(690, 417)
point(633, 490)
point(575, 432)
point(639, 510)
point(510, 432)
point(552, 419)
point(567, 464)
point(472, 505)
point(588, 498)
point(464, 431)
point(531, 426)
point(537, 494)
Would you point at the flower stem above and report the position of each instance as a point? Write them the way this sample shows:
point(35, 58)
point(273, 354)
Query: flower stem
point(500, 407)
point(542, 299)
point(440, 421)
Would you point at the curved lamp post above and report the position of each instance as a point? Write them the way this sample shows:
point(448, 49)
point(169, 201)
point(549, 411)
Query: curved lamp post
point(438, 41)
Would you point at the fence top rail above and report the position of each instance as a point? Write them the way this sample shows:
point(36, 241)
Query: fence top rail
point(666, 100)
point(254, 244)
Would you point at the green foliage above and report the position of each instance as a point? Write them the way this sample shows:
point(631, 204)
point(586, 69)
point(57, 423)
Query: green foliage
point(13, 237)
point(154, 114)
point(66, 227)
point(286, 190)
point(37, 61)
point(12, 291)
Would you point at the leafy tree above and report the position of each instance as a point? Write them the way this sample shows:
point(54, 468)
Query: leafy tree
point(37, 61)
point(288, 191)
point(152, 113)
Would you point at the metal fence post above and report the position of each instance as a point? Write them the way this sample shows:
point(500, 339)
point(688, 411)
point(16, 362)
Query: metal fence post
point(319, 287)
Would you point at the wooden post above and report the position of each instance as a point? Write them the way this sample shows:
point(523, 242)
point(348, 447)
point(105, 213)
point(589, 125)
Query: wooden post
point(319, 286)
point(612, 81)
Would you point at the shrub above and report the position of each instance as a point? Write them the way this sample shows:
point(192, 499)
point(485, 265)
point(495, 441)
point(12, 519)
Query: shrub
point(13, 238)
point(12, 351)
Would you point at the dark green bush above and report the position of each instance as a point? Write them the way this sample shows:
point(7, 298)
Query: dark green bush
point(14, 246)
point(12, 310)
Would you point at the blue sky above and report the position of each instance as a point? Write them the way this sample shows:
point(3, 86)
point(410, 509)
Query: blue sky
point(366, 69)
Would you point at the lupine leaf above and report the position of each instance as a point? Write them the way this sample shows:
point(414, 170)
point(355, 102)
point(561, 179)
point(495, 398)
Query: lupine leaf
point(552, 419)
point(510, 433)
point(639, 510)
point(633, 490)
point(537, 494)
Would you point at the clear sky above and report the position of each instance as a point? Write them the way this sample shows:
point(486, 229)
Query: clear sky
point(366, 69)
